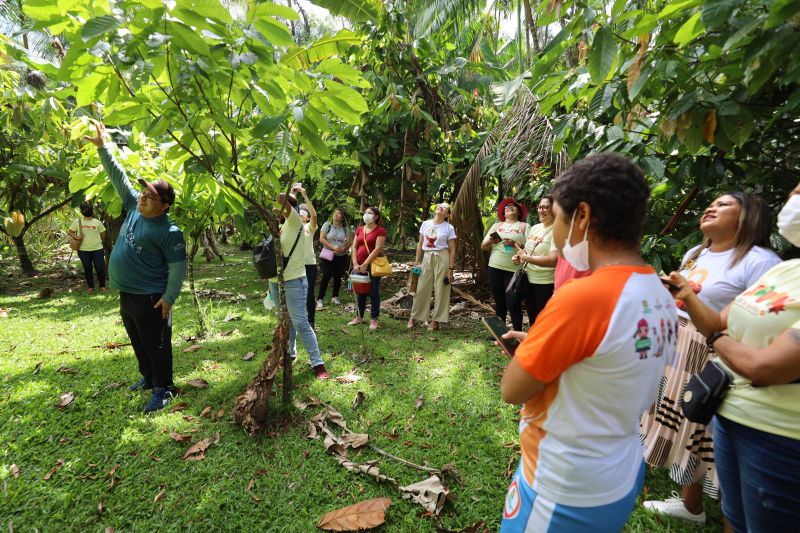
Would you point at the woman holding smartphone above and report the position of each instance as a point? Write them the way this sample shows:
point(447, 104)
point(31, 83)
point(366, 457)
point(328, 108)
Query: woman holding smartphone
point(733, 255)
point(502, 239)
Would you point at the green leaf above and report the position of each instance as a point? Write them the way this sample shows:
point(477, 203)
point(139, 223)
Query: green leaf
point(717, 12)
point(125, 113)
point(312, 140)
point(323, 48)
point(274, 32)
point(676, 9)
point(98, 26)
point(355, 10)
point(344, 73)
point(283, 148)
point(212, 9)
point(781, 11)
point(268, 9)
point(653, 166)
point(186, 39)
point(330, 104)
point(602, 54)
point(351, 96)
point(505, 92)
point(602, 100)
point(690, 30)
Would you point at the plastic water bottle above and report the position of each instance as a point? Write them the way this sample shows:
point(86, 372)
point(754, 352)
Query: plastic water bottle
point(349, 284)
point(269, 304)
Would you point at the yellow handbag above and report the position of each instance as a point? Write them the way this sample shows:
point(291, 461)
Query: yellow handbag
point(380, 266)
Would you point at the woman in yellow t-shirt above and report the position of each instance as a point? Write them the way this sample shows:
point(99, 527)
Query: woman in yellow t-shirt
point(539, 257)
point(92, 233)
point(502, 239)
point(757, 430)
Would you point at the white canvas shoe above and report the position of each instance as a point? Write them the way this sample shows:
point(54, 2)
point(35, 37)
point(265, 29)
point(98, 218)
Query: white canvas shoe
point(319, 305)
point(675, 508)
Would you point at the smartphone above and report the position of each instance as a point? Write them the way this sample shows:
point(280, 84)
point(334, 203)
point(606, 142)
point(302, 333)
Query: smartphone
point(498, 328)
point(495, 235)
point(670, 286)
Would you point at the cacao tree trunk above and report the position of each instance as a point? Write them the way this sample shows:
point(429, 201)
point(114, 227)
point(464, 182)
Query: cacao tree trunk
point(24, 259)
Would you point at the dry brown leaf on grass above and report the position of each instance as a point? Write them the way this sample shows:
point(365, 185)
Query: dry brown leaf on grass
point(197, 451)
point(206, 411)
point(249, 355)
point(430, 494)
point(15, 471)
point(198, 383)
point(178, 407)
point(363, 515)
point(158, 497)
point(100, 508)
point(178, 437)
point(250, 485)
point(66, 399)
point(47, 292)
point(192, 348)
point(66, 370)
point(55, 469)
point(109, 529)
point(420, 400)
point(354, 440)
point(110, 345)
point(350, 377)
point(4, 312)
point(358, 400)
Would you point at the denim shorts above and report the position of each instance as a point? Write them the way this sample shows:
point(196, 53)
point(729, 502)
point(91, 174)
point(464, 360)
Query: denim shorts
point(759, 474)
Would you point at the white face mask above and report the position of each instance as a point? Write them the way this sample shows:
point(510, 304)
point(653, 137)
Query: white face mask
point(578, 255)
point(789, 220)
point(368, 218)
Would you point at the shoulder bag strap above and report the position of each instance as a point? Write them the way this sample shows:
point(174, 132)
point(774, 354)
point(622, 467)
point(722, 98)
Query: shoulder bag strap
point(80, 231)
point(364, 236)
point(296, 240)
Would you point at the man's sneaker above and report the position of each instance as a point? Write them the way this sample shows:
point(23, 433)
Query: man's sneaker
point(160, 398)
point(319, 305)
point(335, 300)
point(143, 383)
point(675, 508)
point(320, 372)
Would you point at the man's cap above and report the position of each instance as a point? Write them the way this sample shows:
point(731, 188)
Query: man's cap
point(160, 188)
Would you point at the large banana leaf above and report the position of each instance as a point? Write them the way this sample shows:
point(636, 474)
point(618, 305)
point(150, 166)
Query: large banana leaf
point(355, 10)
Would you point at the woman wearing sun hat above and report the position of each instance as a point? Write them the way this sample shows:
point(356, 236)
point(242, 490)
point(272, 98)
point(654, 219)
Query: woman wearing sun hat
point(511, 229)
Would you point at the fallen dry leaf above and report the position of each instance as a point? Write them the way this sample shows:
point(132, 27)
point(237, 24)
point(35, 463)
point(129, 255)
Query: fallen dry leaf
point(178, 407)
point(47, 292)
point(431, 494)
point(100, 508)
point(66, 399)
point(206, 411)
point(198, 383)
point(4, 312)
point(15, 471)
point(220, 413)
point(109, 529)
point(55, 469)
point(216, 438)
point(363, 515)
point(249, 355)
point(350, 377)
point(112, 345)
point(66, 370)
point(418, 405)
point(192, 348)
point(177, 437)
point(197, 450)
point(359, 399)
point(250, 485)
point(231, 318)
point(160, 496)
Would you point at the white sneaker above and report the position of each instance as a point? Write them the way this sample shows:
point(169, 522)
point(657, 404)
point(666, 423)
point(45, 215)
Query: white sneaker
point(335, 300)
point(319, 305)
point(675, 508)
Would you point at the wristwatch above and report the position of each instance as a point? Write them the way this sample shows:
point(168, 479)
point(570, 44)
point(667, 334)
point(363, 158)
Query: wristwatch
point(714, 337)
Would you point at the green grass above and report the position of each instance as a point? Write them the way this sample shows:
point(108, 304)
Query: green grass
point(462, 420)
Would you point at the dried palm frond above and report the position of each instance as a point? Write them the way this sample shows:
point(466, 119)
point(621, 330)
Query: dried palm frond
point(522, 139)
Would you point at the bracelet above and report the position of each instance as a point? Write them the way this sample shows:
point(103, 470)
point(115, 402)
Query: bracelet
point(714, 337)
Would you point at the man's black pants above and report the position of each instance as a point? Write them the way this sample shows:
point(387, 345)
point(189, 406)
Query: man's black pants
point(151, 336)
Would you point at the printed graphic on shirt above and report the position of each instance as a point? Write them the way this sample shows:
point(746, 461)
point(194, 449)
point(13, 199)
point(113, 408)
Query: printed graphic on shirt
point(513, 500)
point(130, 240)
point(763, 299)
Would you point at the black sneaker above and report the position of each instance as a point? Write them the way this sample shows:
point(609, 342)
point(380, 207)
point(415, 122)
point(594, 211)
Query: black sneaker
point(143, 383)
point(160, 398)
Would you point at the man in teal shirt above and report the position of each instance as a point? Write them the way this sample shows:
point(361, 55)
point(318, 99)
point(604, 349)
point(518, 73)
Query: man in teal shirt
point(147, 266)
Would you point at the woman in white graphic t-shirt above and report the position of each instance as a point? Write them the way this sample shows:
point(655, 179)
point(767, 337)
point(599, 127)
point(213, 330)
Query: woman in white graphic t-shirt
point(436, 255)
point(734, 254)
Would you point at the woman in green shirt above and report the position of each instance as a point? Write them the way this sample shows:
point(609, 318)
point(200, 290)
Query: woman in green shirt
point(539, 257)
point(502, 239)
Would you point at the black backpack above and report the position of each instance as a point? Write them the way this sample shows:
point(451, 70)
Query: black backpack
point(264, 256)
